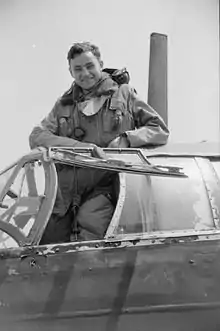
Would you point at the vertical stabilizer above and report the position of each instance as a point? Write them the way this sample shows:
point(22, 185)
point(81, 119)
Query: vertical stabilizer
point(157, 83)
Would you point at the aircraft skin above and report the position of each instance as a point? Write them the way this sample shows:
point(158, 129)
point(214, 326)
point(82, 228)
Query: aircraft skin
point(166, 276)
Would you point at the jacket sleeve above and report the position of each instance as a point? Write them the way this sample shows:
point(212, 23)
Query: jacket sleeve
point(150, 128)
point(46, 133)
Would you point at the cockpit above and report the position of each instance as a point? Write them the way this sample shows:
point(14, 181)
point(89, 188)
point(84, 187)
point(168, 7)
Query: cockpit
point(149, 199)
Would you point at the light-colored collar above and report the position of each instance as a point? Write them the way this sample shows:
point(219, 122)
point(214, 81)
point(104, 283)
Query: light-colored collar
point(92, 106)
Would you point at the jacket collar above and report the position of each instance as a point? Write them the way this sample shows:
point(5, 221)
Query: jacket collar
point(105, 86)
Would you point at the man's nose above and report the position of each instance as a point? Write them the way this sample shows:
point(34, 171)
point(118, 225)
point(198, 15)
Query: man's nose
point(85, 72)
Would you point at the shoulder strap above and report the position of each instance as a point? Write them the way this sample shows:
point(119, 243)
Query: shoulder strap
point(120, 98)
point(120, 76)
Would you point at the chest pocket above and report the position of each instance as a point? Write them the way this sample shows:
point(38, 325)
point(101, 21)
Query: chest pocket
point(117, 117)
point(65, 121)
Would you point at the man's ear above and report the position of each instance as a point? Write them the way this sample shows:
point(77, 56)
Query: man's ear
point(101, 64)
point(71, 73)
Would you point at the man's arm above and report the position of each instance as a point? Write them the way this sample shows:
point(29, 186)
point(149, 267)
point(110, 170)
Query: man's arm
point(150, 127)
point(46, 133)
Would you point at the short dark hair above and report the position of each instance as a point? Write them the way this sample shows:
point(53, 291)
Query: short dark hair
point(79, 48)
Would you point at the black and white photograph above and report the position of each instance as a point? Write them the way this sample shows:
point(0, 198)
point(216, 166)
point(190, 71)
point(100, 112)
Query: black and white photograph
point(110, 165)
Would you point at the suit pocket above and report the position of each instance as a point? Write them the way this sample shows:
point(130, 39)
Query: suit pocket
point(113, 116)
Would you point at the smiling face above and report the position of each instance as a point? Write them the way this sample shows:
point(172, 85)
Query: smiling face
point(86, 69)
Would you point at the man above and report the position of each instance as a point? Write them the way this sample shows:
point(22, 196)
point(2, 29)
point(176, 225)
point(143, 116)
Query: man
point(95, 112)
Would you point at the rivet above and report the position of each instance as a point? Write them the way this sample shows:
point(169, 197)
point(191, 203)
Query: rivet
point(191, 261)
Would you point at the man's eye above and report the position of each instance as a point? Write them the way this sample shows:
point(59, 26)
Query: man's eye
point(77, 69)
point(90, 66)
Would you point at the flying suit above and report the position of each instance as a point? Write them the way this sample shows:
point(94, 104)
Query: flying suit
point(79, 120)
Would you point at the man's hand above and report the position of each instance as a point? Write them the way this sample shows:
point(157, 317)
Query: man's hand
point(119, 142)
point(96, 151)
point(99, 153)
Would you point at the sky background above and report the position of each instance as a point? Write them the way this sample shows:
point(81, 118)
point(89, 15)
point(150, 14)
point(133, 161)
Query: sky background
point(35, 37)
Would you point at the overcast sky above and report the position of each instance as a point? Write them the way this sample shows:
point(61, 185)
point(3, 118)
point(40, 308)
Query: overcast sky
point(36, 35)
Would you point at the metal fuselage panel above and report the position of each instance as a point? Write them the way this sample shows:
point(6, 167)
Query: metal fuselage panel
point(114, 286)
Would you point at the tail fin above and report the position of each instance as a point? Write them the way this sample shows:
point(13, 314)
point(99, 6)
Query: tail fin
point(157, 83)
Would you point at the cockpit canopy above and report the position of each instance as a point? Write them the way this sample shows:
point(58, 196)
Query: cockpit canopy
point(153, 199)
